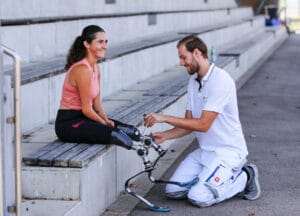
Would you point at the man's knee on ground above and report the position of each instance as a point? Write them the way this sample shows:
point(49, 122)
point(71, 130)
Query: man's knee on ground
point(176, 192)
point(201, 198)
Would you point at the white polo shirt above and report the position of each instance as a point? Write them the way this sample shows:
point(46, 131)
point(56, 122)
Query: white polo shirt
point(218, 94)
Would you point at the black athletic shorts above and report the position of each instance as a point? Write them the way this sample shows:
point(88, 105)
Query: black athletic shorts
point(73, 126)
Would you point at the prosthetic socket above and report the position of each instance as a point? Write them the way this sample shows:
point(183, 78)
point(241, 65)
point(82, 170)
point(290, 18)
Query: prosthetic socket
point(123, 134)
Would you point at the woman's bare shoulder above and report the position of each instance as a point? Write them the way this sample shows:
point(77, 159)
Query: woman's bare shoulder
point(79, 73)
point(80, 69)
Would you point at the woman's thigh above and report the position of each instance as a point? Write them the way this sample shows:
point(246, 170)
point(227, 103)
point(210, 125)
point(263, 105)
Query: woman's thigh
point(91, 132)
point(75, 127)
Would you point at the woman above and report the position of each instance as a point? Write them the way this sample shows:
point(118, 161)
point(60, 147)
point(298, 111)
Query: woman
point(80, 117)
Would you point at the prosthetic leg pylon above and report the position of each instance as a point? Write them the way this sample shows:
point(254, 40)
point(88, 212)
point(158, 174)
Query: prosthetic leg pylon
point(142, 146)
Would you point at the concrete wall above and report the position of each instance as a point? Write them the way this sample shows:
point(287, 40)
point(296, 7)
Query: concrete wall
point(43, 41)
point(20, 9)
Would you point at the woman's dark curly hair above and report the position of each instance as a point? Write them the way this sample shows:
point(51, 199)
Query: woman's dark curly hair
point(78, 50)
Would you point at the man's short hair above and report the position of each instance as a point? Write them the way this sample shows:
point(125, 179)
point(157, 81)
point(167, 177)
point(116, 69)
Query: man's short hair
point(192, 42)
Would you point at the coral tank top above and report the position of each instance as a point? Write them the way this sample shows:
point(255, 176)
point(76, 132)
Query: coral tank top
point(70, 94)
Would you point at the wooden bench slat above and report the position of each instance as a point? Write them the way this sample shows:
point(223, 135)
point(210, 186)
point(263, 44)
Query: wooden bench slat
point(155, 105)
point(133, 107)
point(32, 159)
point(138, 111)
point(173, 91)
point(63, 159)
point(125, 110)
point(178, 91)
point(47, 159)
point(169, 88)
point(178, 88)
point(86, 156)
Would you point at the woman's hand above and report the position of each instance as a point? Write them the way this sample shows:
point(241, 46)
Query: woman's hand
point(110, 123)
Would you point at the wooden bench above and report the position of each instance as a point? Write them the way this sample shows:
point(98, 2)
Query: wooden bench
point(61, 154)
point(78, 155)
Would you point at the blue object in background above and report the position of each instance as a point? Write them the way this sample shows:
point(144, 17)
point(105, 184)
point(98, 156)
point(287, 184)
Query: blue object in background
point(273, 22)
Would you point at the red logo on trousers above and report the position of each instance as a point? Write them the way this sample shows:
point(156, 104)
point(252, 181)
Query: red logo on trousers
point(217, 179)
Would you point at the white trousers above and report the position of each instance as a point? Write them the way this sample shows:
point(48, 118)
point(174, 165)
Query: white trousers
point(205, 164)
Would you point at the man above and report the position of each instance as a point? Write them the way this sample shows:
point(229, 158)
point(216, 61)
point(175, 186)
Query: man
point(212, 113)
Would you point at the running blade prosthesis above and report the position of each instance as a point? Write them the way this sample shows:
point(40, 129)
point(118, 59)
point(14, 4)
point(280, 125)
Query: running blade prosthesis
point(142, 148)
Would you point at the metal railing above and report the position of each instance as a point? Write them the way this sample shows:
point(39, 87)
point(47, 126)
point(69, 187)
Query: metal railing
point(17, 127)
point(1, 141)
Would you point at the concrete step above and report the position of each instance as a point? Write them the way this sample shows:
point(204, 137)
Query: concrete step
point(60, 33)
point(50, 208)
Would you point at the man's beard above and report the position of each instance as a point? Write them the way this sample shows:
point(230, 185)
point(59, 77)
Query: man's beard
point(194, 67)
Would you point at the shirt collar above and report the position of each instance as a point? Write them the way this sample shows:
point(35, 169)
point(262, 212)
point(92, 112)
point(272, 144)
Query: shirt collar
point(208, 72)
point(206, 76)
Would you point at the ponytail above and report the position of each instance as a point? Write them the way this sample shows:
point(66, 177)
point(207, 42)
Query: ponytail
point(78, 50)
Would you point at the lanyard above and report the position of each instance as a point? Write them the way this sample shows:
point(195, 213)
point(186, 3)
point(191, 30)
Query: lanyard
point(204, 81)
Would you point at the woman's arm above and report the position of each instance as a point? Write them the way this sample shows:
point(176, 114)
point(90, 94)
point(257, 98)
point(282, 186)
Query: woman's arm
point(80, 77)
point(97, 105)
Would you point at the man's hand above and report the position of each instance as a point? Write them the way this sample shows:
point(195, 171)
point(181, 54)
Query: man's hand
point(159, 137)
point(153, 118)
